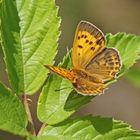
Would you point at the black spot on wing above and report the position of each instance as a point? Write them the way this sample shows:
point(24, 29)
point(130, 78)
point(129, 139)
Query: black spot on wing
point(90, 42)
point(111, 63)
point(85, 36)
point(92, 48)
point(79, 46)
point(78, 37)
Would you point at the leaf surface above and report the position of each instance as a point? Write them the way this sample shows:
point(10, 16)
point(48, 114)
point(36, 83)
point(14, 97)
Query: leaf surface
point(133, 76)
point(29, 35)
point(12, 114)
point(92, 128)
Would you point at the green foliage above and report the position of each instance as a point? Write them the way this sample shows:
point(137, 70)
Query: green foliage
point(89, 128)
point(12, 114)
point(49, 138)
point(29, 35)
point(133, 76)
point(11, 44)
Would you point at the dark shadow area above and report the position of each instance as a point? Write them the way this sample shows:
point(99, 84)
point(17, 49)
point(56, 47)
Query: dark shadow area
point(8, 136)
point(102, 125)
point(75, 101)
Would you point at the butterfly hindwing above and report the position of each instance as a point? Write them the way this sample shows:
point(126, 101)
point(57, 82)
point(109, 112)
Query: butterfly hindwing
point(105, 65)
point(89, 88)
point(89, 41)
point(86, 84)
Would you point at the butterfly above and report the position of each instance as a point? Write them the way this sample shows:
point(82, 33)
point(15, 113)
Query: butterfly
point(93, 63)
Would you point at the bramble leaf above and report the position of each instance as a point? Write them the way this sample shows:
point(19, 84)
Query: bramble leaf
point(133, 76)
point(29, 35)
point(90, 128)
point(12, 114)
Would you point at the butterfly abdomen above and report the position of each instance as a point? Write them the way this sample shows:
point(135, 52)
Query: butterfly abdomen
point(62, 72)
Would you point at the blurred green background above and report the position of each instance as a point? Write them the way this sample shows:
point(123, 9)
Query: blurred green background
point(122, 99)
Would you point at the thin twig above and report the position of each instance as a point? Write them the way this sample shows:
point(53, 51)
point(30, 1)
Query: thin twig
point(41, 129)
point(31, 123)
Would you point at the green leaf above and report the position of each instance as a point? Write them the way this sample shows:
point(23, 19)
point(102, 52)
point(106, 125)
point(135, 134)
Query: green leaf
point(92, 128)
point(133, 76)
point(29, 35)
point(0, 34)
point(128, 46)
point(12, 114)
point(58, 100)
point(50, 138)
point(11, 44)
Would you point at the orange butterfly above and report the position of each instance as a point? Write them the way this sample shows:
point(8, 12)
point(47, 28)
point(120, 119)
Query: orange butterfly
point(93, 63)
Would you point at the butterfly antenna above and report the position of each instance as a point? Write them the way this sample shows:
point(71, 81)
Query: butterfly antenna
point(63, 88)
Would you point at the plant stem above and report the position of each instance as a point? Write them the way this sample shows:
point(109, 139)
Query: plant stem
point(27, 109)
point(41, 129)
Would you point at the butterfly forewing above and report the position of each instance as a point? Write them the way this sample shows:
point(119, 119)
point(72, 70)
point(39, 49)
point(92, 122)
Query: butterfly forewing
point(89, 41)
